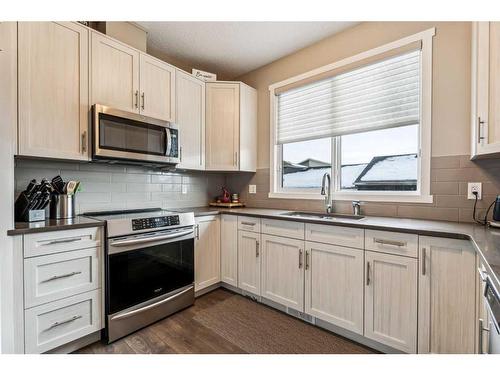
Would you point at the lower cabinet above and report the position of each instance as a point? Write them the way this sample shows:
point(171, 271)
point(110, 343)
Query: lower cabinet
point(207, 252)
point(229, 249)
point(391, 300)
point(447, 296)
point(334, 285)
point(283, 271)
point(249, 261)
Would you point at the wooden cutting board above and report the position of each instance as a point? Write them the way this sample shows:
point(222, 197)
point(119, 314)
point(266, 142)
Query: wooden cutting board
point(227, 205)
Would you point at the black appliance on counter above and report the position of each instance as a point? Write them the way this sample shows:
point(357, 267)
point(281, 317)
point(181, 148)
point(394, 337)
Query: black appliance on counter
point(149, 267)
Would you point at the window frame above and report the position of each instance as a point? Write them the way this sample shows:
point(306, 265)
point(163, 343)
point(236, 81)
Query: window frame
point(422, 194)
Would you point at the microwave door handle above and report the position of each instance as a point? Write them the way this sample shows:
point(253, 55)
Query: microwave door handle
point(168, 140)
point(137, 240)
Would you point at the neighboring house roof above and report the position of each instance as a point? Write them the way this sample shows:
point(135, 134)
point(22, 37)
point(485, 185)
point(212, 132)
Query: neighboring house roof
point(313, 163)
point(388, 170)
point(349, 173)
point(292, 167)
point(310, 178)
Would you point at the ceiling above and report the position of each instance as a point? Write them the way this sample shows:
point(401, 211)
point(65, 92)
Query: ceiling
point(231, 49)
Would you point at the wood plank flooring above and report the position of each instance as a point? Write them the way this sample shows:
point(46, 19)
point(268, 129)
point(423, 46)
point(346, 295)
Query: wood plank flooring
point(196, 330)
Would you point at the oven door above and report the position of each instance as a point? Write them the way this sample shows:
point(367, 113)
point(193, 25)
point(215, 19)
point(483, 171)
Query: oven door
point(148, 266)
point(123, 135)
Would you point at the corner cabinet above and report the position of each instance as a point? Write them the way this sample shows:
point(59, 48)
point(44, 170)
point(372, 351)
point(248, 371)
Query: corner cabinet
point(190, 113)
point(447, 296)
point(126, 79)
point(53, 89)
point(229, 249)
point(485, 108)
point(231, 127)
point(207, 252)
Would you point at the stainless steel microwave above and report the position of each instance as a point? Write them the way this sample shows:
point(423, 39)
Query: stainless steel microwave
point(120, 135)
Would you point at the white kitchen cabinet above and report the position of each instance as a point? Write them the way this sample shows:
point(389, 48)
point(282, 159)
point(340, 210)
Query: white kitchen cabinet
point(53, 89)
point(207, 252)
point(229, 249)
point(249, 261)
point(484, 326)
point(446, 303)
point(334, 285)
point(485, 89)
point(157, 86)
point(391, 300)
point(114, 74)
point(231, 127)
point(283, 271)
point(190, 113)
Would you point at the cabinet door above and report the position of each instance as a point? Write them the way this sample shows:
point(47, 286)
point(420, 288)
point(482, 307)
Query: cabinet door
point(190, 113)
point(229, 249)
point(248, 128)
point(53, 90)
point(334, 285)
point(115, 74)
point(207, 252)
point(484, 327)
point(222, 126)
point(447, 287)
point(391, 300)
point(283, 271)
point(249, 261)
point(157, 82)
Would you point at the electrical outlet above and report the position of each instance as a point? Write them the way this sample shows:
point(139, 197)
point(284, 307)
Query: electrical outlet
point(252, 189)
point(184, 189)
point(474, 187)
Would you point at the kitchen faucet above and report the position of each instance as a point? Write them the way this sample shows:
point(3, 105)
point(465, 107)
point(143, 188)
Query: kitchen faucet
point(326, 192)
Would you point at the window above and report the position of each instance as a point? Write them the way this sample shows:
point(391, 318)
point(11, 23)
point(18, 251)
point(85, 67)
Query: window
point(365, 121)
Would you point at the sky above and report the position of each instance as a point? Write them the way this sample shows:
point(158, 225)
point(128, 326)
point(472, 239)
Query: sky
point(357, 148)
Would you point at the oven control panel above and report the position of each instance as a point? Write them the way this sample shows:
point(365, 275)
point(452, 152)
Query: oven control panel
point(155, 222)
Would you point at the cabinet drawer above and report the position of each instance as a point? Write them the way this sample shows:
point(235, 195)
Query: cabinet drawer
point(283, 228)
point(335, 235)
point(52, 277)
point(250, 224)
point(392, 242)
point(54, 324)
point(56, 242)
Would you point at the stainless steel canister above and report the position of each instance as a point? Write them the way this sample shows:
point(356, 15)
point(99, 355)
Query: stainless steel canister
point(62, 206)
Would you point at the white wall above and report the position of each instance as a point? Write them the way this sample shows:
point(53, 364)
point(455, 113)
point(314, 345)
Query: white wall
point(8, 114)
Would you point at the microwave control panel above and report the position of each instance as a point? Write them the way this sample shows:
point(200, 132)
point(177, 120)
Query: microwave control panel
point(155, 222)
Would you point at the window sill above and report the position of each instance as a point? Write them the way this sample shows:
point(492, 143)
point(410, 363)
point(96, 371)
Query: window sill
point(388, 197)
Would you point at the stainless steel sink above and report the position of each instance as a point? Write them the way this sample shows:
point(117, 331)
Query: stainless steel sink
point(324, 216)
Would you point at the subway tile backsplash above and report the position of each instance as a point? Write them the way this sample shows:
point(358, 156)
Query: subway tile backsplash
point(116, 187)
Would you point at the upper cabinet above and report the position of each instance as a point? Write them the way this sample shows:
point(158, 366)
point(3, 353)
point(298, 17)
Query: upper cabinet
point(485, 89)
point(53, 90)
point(190, 113)
point(115, 74)
point(231, 127)
point(127, 79)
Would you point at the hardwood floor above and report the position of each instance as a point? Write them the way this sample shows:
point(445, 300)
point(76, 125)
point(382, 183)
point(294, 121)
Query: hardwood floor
point(222, 322)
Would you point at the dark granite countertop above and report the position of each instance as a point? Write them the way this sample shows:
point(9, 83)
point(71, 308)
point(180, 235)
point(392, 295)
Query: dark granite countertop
point(53, 225)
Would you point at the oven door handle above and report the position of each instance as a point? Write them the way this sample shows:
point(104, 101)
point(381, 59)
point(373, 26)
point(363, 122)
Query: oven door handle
point(152, 306)
point(151, 238)
point(168, 140)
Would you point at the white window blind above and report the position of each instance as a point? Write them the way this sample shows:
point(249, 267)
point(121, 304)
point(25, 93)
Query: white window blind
point(377, 96)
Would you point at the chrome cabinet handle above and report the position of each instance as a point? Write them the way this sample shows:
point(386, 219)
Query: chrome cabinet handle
point(180, 154)
point(136, 99)
point(389, 242)
point(247, 223)
point(55, 242)
point(307, 260)
point(62, 276)
point(236, 158)
point(424, 253)
point(142, 97)
point(367, 273)
point(479, 123)
point(84, 142)
point(257, 245)
point(197, 232)
point(57, 324)
point(300, 258)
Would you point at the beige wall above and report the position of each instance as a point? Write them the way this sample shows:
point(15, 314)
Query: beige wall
point(451, 76)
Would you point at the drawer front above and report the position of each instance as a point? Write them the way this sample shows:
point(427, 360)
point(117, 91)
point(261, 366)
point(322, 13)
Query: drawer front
point(392, 242)
point(54, 324)
point(283, 228)
point(58, 241)
point(335, 235)
point(250, 224)
point(52, 277)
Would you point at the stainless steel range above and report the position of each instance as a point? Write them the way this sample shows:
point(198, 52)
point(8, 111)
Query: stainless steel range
point(149, 267)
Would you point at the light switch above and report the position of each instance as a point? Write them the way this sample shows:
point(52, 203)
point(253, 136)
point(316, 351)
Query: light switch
point(184, 189)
